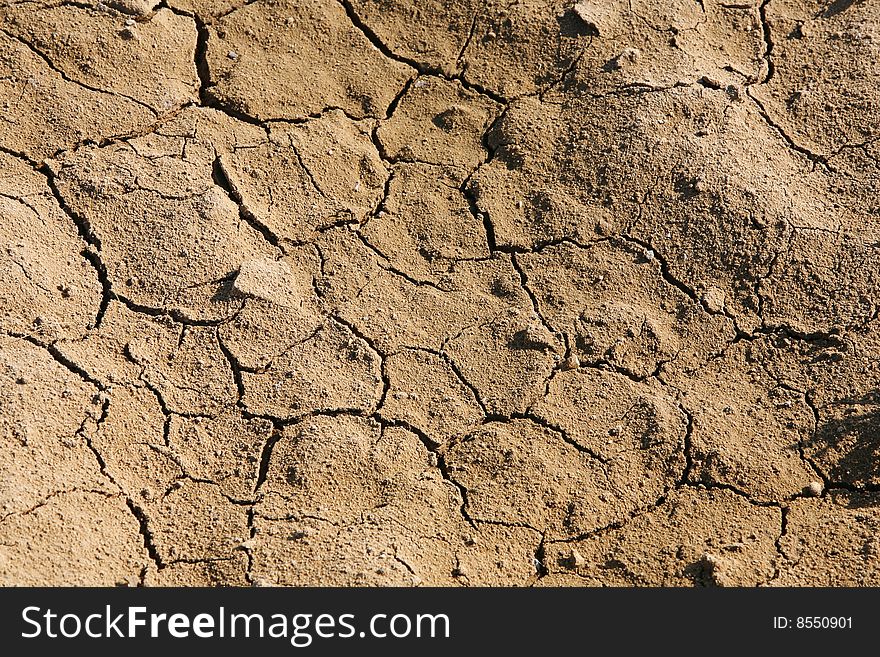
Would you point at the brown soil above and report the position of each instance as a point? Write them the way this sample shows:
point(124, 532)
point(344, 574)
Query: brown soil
point(386, 292)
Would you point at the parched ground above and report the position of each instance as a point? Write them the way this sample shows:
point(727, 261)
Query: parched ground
point(417, 292)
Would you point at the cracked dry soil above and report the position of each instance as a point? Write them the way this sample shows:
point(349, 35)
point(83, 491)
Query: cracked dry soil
point(399, 292)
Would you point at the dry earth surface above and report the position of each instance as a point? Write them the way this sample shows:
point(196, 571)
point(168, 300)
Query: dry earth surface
point(416, 292)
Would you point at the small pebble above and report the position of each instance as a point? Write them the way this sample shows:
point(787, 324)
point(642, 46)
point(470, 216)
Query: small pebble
point(575, 559)
point(535, 336)
point(712, 568)
point(713, 298)
point(630, 54)
point(712, 83)
point(802, 31)
point(814, 489)
point(603, 227)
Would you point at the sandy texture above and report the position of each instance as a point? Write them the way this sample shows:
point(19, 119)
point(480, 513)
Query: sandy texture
point(385, 292)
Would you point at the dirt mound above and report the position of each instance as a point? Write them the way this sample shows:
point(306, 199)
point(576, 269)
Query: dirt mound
point(384, 292)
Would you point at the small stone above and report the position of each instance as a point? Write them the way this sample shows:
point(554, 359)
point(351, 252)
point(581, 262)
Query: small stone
point(232, 55)
point(247, 545)
point(713, 299)
point(814, 489)
point(604, 227)
point(709, 561)
point(136, 7)
point(575, 559)
point(712, 83)
point(503, 287)
point(534, 336)
point(630, 55)
point(713, 569)
point(570, 363)
point(595, 15)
